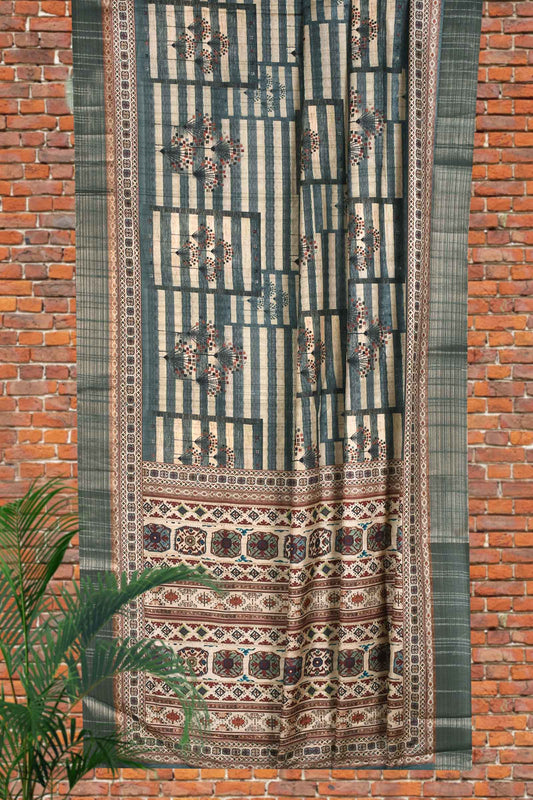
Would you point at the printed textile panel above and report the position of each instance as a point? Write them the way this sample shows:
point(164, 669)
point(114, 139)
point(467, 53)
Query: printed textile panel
point(267, 193)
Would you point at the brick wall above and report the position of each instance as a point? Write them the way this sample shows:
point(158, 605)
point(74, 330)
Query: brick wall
point(37, 387)
point(37, 355)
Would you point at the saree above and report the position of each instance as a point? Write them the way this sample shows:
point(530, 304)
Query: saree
point(272, 205)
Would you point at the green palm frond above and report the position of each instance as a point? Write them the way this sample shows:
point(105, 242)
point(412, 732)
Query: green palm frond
point(109, 750)
point(68, 753)
point(93, 604)
point(98, 601)
point(110, 658)
point(35, 532)
point(15, 744)
point(15, 716)
point(52, 649)
point(59, 739)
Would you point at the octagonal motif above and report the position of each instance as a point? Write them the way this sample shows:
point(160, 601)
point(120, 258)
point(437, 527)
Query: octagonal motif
point(226, 543)
point(262, 545)
point(156, 538)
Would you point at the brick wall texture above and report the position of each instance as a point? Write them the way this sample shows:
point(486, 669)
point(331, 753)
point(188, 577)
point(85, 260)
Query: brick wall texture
point(38, 401)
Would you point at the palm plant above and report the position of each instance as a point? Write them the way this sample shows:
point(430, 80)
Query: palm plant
point(54, 657)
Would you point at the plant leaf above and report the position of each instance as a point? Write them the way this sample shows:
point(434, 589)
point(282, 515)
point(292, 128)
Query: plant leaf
point(95, 602)
point(35, 531)
point(110, 658)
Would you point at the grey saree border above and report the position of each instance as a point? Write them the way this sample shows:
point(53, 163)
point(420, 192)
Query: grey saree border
point(447, 364)
point(92, 320)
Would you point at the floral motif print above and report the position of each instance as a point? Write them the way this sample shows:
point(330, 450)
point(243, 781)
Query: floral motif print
point(310, 145)
point(201, 354)
point(319, 542)
point(307, 250)
point(264, 665)
point(365, 446)
point(379, 658)
point(199, 148)
point(397, 663)
point(292, 670)
point(208, 451)
point(308, 456)
point(399, 539)
point(356, 148)
point(350, 663)
point(364, 355)
point(311, 354)
point(225, 456)
point(273, 301)
point(205, 253)
point(318, 662)
point(190, 541)
point(197, 43)
point(362, 359)
point(262, 545)
point(196, 659)
point(349, 541)
point(267, 92)
point(362, 243)
point(368, 124)
point(228, 663)
point(295, 547)
point(363, 32)
point(226, 543)
point(378, 536)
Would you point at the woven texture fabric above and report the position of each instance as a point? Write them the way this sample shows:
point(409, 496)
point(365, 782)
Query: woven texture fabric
point(272, 203)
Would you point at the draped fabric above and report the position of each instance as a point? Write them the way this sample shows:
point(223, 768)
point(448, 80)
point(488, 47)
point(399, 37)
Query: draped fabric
point(272, 203)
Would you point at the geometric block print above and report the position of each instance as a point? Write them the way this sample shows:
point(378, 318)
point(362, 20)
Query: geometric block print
point(254, 644)
point(201, 46)
point(207, 251)
point(264, 259)
point(208, 440)
point(322, 147)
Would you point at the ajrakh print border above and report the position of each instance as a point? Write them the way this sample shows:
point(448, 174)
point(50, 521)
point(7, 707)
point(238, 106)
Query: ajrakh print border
point(424, 39)
point(263, 485)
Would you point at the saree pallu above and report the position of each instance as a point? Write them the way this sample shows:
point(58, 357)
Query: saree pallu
point(272, 201)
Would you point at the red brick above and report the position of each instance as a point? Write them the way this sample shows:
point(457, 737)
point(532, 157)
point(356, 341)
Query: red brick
point(239, 788)
point(292, 789)
point(31, 452)
point(47, 24)
point(447, 789)
point(91, 789)
point(134, 789)
point(394, 789)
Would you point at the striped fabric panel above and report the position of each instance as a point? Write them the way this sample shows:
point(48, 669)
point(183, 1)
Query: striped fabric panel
point(286, 264)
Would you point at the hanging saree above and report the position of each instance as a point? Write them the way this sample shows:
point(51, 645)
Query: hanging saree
point(272, 201)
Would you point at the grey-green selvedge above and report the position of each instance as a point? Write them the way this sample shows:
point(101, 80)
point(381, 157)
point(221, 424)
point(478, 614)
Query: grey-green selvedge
point(452, 176)
point(92, 297)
